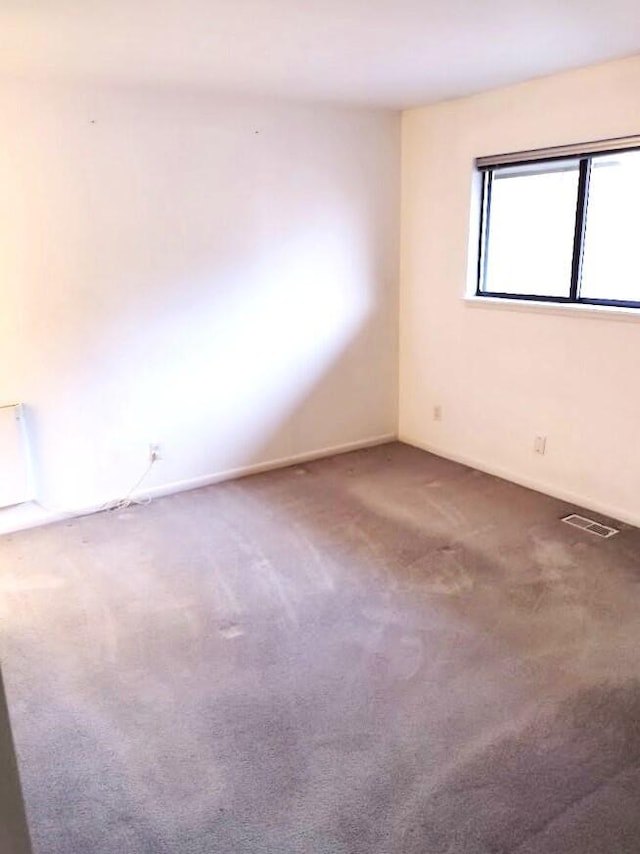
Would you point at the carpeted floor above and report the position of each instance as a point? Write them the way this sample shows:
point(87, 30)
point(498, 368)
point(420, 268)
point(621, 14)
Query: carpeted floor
point(379, 653)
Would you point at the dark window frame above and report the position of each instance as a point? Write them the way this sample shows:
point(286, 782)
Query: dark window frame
point(585, 161)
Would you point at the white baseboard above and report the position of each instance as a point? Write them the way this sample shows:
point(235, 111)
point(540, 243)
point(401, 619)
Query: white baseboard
point(32, 514)
point(570, 497)
point(256, 468)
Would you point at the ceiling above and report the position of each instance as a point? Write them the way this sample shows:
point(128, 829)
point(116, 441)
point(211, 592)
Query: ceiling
point(390, 53)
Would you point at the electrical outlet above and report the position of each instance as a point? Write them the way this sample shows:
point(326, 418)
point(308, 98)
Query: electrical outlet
point(155, 452)
point(540, 445)
point(437, 412)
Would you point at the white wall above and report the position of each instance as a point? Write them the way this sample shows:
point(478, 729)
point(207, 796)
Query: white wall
point(504, 376)
point(212, 274)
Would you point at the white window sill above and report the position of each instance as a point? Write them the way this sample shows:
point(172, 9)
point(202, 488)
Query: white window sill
point(596, 312)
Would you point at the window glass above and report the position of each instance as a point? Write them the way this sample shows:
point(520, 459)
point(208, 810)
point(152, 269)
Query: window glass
point(611, 254)
point(529, 245)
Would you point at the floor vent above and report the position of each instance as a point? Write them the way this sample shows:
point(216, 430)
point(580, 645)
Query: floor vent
point(589, 525)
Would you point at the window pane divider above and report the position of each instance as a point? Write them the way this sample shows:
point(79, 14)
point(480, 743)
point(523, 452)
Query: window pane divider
point(581, 218)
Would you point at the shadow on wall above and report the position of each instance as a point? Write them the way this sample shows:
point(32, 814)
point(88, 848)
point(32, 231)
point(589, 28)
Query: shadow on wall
point(218, 373)
point(202, 266)
point(14, 836)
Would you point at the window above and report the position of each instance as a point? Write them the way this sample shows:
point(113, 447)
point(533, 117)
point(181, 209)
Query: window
point(562, 229)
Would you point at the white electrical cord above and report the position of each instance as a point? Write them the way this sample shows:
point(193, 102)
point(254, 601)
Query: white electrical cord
point(115, 504)
point(128, 500)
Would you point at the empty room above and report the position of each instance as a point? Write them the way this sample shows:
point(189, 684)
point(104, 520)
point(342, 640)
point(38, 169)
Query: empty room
point(319, 468)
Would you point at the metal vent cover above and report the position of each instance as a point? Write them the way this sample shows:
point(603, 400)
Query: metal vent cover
point(590, 525)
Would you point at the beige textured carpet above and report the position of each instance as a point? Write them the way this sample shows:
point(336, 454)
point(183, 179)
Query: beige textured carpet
point(380, 653)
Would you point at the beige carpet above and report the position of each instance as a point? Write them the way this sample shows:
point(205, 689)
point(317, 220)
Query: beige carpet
point(380, 653)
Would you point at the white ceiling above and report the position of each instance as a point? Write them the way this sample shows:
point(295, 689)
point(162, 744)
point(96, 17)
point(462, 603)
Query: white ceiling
point(391, 53)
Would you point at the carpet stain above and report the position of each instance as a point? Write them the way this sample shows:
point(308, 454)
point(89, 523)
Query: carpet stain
point(231, 630)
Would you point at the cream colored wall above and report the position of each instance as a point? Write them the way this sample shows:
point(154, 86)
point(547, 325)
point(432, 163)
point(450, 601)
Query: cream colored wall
point(504, 376)
point(216, 275)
